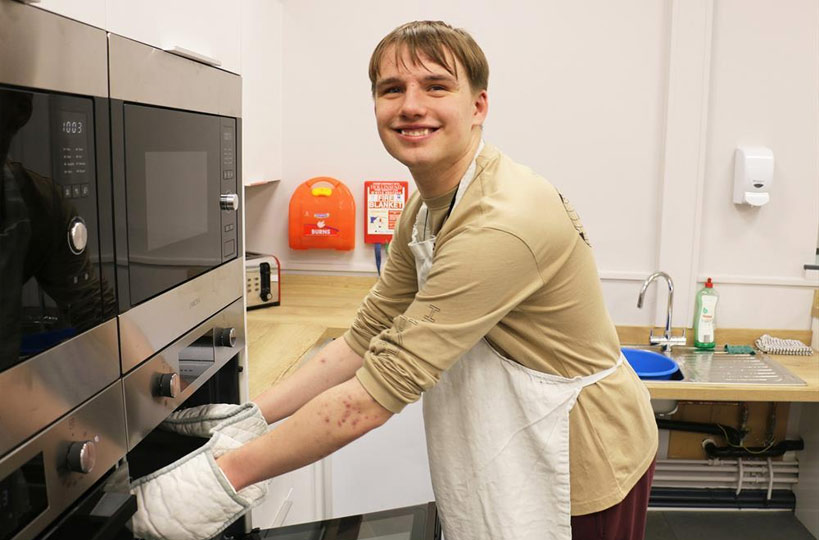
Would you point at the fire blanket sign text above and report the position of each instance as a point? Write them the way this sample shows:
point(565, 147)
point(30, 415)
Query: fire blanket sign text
point(384, 203)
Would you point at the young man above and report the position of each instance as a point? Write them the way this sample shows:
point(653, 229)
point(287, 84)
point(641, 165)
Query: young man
point(489, 305)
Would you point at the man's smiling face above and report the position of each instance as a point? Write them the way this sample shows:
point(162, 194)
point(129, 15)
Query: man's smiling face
point(427, 118)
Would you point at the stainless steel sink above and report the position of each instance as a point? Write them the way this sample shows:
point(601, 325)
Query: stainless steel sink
point(722, 368)
point(719, 367)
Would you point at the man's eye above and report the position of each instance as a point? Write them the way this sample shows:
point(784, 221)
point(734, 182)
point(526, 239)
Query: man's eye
point(391, 90)
point(437, 88)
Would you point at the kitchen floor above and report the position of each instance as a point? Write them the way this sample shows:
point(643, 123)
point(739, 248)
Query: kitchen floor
point(746, 525)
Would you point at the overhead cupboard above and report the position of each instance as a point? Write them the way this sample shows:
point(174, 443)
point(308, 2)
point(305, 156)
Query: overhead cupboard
point(208, 30)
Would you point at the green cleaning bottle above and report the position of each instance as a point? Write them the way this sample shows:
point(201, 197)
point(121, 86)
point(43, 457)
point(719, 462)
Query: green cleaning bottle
point(705, 317)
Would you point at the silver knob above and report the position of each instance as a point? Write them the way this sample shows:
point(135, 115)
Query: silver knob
point(226, 337)
point(169, 385)
point(82, 456)
point(77, 235)
point(229, 201)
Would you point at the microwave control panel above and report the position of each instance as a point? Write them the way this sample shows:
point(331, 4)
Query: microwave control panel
point(229, 192)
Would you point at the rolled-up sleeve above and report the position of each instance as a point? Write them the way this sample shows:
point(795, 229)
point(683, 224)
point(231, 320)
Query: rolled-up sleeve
point(478, 276)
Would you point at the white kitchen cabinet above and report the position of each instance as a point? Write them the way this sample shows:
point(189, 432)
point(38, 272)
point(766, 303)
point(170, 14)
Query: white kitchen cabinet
point(807, 490)
point(261, 39)
point(208, 27)
point(87, 11)
point(295, 497)
point(386, 468)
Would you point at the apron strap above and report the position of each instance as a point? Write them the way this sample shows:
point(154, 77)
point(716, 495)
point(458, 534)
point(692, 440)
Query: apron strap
point(595, 377)
point(420, 218)
point(467, 178)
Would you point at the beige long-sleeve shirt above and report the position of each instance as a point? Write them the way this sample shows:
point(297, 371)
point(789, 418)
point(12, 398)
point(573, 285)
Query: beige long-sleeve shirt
point(512, 263)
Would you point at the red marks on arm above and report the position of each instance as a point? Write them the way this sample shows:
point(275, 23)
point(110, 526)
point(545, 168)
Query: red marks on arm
point(347, 413)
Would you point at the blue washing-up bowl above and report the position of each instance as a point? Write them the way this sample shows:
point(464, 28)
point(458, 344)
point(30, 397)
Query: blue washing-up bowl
point(650, 365)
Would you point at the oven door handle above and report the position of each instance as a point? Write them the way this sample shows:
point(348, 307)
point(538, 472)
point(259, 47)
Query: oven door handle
point(116, 509)
point(102, 515)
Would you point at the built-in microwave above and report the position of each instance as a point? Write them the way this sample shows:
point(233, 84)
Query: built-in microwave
point(175, 145)
point(58, 329)
point(62, 419)
point(175, 178)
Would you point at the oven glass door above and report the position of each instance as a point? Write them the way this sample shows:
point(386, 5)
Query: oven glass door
point(176, 166)
point(51, 286)
point(410, 523)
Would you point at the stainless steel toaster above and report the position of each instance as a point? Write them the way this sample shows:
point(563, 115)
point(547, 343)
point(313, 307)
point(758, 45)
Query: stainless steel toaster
point(263, 280)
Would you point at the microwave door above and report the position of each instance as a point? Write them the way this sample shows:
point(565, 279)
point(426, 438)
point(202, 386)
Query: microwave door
point(173, 179)
point(53, 287)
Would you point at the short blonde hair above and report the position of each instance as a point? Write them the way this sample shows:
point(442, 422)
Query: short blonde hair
point(439, 42)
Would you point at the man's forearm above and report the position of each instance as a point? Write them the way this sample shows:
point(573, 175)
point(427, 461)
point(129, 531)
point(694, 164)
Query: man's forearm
point(333, 419)
point(334, 364)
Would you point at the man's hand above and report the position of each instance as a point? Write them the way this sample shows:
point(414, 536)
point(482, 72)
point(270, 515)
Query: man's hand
point(191, 499)
point(242, 422)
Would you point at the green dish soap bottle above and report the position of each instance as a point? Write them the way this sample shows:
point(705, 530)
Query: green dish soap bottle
point(705, 317)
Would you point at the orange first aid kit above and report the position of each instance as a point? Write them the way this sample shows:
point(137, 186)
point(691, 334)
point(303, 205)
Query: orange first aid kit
point(322, 215)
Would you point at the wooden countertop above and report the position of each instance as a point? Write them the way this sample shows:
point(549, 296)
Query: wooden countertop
point(313, 309)
point(317, 308)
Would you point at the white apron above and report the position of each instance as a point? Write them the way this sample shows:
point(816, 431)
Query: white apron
point(498, 437)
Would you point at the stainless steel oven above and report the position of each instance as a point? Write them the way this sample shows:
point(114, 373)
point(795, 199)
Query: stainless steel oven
point(175, 146)
point(165, 381)
point(61, 405)
point(175, 132)
point(108, 324)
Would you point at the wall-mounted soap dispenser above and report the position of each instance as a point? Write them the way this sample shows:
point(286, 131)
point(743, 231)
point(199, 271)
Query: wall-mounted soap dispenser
point(753, 175)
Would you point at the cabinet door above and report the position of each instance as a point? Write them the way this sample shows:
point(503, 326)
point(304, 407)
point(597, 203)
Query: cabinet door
point(87, 11)
point(261, 40)
point(386, 468)
point(295, 497)
point(208, 27)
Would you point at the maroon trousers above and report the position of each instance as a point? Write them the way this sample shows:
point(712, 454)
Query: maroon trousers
point(625, 520)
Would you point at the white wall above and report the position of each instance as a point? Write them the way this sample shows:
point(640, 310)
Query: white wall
point(632, 109)
point(764, 91)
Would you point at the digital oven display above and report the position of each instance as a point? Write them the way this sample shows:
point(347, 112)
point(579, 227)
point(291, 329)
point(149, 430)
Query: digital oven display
point(22, 497)
point(72, 123)
point(72, 128)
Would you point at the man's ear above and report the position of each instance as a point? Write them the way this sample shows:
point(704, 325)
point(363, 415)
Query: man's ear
point(481, 107)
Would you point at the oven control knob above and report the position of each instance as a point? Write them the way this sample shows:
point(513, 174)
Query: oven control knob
point(82, 456)
point(169, 385)
point(77, 235)
point(229, 201)
point(226, 337)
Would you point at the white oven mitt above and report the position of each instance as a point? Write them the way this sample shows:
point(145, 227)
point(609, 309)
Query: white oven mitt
point(191, 499)
point(240, 422)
